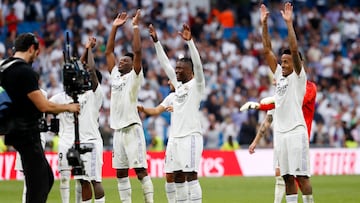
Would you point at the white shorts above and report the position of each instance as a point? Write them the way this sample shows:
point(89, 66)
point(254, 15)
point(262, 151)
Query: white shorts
point(292, 152)
point(129, 148)
point(62, 160)
point(18, 164)
point(276, 159)
point(93, 161)
point(167, 165)
point(183, 153)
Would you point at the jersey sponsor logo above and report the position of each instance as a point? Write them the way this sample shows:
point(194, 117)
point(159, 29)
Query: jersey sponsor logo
point(282, 86)
point(181, 94)
point(118, 87)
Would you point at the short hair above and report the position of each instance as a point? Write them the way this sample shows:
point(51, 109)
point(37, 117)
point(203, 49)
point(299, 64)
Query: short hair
point(188, 61)
point(24, 41)
point(131, 55)
point(287, 51)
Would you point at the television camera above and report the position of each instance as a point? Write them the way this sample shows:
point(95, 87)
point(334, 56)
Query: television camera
point(76, 81)
point(45, 127)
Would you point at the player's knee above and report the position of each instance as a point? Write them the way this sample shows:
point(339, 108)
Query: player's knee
point(122, 173)
point(141, 173)
point(98, 190)
point(179, 177)
point(170, 177)
point(191, 176)
point(289, 178)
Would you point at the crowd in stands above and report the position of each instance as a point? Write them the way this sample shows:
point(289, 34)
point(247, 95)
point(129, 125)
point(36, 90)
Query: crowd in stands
point(228, 37)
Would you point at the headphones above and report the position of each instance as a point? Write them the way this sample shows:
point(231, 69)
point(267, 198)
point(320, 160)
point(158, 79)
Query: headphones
point(34, 41)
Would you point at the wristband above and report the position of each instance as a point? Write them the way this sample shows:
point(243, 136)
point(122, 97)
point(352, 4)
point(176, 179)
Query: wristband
point(135, 26)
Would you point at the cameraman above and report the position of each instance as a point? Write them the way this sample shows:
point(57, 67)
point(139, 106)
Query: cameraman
point(90, 102)
point(28, 103)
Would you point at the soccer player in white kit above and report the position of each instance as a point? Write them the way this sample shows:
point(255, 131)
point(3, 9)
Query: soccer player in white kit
point(186, 145)
point(90, 104)
point(165, 105)
point(129, 147)
point(292, 146)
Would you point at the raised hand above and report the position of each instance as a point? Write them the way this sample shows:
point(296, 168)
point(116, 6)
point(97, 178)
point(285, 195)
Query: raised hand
point(186, 33)
point(152, 33)
point(287, 13)
point(264, 13)
point(135, 19)
point(120, 19)
point(91, 42)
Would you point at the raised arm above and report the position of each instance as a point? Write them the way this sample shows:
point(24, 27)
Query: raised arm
point(91, 63)
point(195, 57)
point(269, 54)
point(287, 14)
point(109, 51)
point(261, 132)
point(136, 44)
point(161, 55)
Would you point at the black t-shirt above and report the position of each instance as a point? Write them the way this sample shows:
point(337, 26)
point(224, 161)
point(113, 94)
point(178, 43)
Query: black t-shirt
point(19, 80)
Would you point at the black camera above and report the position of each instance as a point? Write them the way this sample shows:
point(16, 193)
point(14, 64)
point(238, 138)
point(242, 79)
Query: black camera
point(74, 159)
point(76, 79)
point(45, 127)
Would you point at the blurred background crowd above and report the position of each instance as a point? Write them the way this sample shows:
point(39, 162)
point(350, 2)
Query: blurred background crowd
point(228, 36)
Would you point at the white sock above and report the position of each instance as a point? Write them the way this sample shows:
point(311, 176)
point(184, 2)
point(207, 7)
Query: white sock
point(170, 192)
point(100, 200)
point(65, 186)
point(292, 198)
point(87, 201)
point(195, 191)
point(124, 189)
point(24, 192)
point(78, 191)
point(182, 194)
point(308, 199)
point(148, 189)
point(279, 189)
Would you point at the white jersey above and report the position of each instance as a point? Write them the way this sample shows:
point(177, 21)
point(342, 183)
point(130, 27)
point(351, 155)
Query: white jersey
point(90, 104)
point(185, 119)
point(124, 98)
point(289, 96)
point(169, 100)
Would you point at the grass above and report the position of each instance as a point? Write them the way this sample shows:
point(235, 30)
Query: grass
point(326, 189)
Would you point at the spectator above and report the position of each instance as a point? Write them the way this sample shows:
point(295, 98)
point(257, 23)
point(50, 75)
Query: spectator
point(230, 144)
point(12, 21)
point(3, 147)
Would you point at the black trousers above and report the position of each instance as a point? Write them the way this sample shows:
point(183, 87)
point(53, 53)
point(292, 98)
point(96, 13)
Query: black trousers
point(38, 174)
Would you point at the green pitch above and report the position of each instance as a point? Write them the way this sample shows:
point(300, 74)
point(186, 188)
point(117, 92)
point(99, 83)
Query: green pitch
point(327, 189)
